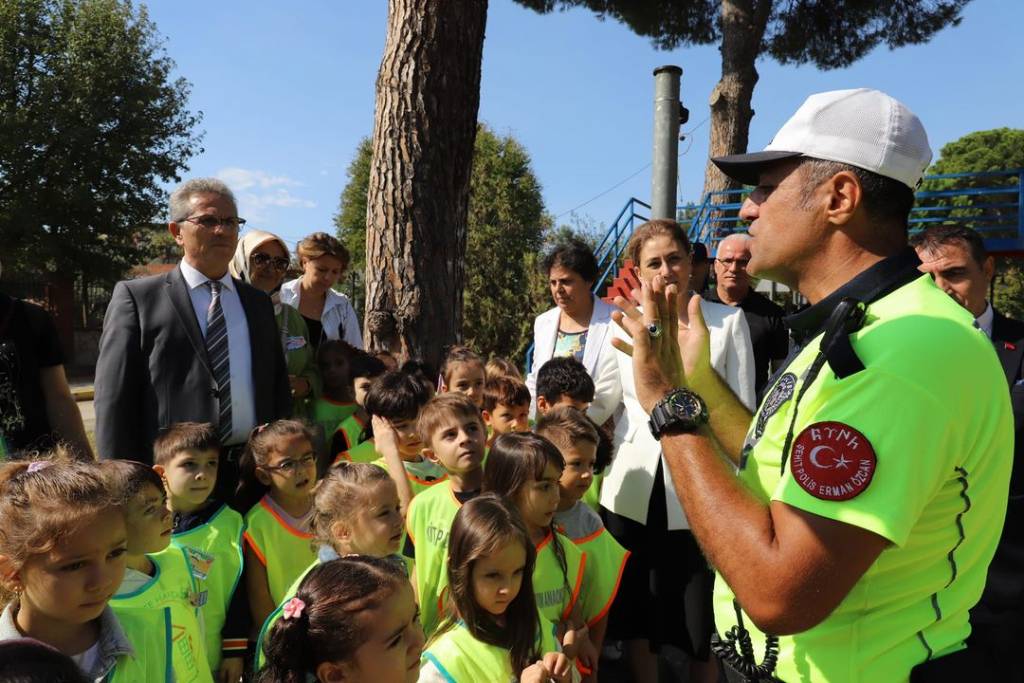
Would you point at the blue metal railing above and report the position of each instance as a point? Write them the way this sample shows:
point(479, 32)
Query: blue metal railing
point(975, 200)
point(996, 211)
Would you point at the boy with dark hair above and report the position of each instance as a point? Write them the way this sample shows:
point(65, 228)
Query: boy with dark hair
point(397, 398)
point(186, 456)
point(564, 381)
point(336, 403)
point(506, 406)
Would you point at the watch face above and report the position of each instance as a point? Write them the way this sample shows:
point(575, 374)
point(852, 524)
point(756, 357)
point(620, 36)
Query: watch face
point(684, 405)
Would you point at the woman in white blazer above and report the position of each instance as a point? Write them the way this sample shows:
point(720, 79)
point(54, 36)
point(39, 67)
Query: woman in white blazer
point(665, 594)
point(579, 325)
point(328, 314)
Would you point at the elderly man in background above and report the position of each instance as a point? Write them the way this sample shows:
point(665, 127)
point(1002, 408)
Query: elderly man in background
point(956, 259)
point(193, 344)
point(767, 332)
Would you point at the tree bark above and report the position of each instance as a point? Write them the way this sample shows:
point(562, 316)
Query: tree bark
point(743, 27)
point(428, 94)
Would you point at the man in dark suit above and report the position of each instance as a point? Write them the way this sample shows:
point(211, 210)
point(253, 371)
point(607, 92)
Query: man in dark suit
point(193, 344)
point(956, 259)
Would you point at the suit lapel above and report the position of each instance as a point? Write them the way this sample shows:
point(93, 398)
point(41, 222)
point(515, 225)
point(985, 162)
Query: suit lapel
point(249, 298)
point(1009, 346)
point(177, 291)
point(596, 333)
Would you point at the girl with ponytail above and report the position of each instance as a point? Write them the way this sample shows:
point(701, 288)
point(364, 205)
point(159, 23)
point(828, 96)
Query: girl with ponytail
point(352, 619)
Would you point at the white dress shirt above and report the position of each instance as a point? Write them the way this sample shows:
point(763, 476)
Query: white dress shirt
point(243, 405)
point(985, 320)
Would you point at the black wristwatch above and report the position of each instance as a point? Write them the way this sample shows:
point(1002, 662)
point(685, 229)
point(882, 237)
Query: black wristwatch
point(680, 411)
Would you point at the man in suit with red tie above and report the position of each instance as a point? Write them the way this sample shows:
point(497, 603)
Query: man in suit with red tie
point(193, 344)
point(956, 259)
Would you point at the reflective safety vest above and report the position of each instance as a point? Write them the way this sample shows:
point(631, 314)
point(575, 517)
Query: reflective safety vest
point(284, 550)
point(421, 475)
point(173, 586)
point(558, 592)
point(428, 524)
point(214, 551)
point(461, 658)
point(150, 632)
point(331, 416)
point(606, 560)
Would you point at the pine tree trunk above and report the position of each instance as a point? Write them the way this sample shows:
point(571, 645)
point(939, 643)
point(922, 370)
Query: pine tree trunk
point(743, 27)
point(428, 93)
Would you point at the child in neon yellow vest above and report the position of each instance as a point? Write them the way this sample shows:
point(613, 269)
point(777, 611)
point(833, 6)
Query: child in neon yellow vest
point(565, 382)
point(492, 630)
point(158, 574)
point(336, 404)
point(279, 459)
point(363, 370)
point(454, 435)
point(186, 456)
point(525, 469)
point(352, 619)
point(356, 511)
point(394, 403)
point(577, 439)
point(69, 509)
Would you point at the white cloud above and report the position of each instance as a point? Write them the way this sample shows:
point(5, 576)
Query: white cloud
point(243, 179)
point(265, 191)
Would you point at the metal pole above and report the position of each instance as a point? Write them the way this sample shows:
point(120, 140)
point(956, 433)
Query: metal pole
point(666, 141)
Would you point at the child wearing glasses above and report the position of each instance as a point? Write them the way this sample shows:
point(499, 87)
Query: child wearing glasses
point(279, 459)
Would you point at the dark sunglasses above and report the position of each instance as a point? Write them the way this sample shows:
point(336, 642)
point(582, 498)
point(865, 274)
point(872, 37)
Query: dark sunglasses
point(261, 259)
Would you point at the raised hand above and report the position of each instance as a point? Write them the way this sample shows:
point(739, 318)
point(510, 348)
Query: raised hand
point(657, 363)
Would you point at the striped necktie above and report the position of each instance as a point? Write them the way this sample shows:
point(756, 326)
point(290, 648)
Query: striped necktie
point(220, 361)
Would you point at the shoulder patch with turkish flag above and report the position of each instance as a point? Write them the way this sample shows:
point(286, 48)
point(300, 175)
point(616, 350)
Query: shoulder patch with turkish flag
point(832, 461)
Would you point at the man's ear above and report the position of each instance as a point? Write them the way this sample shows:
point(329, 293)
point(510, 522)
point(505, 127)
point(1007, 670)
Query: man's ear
point(989, 268)
point(175, 230)
point(845, 196)
point(542, 405)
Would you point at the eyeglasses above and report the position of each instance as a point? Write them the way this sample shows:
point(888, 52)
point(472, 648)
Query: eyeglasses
point(276, 262)
point(211, 222)
point(737, 262)
point(290, 467)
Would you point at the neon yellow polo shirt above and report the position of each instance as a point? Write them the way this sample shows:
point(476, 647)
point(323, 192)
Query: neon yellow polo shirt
point(916, 448)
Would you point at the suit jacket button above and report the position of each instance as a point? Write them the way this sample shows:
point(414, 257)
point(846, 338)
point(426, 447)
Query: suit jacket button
point(214, 393)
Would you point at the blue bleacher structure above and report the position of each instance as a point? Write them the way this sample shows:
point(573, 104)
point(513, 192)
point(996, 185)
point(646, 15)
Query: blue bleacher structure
point(990, 202)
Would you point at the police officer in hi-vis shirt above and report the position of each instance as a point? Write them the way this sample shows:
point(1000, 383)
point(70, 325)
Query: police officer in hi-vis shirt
point(852, 518)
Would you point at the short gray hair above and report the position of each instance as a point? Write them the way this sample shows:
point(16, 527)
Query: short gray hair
point(886, 200)
point(181, 197)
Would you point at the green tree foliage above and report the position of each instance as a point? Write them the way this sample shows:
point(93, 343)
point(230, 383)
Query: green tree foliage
point(984, 151)
point(92, 125)
point(350, 221)
point(829, 35)
point(507, 227)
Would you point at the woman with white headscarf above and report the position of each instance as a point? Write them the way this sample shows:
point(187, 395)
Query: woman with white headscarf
point(262, 259)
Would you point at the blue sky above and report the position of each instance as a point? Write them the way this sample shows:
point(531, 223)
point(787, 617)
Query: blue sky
point(287, 92)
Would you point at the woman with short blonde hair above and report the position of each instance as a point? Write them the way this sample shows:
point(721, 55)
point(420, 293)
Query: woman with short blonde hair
point(328, 313)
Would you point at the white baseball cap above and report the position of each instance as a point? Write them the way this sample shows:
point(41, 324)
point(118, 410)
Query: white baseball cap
point(862, 127)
